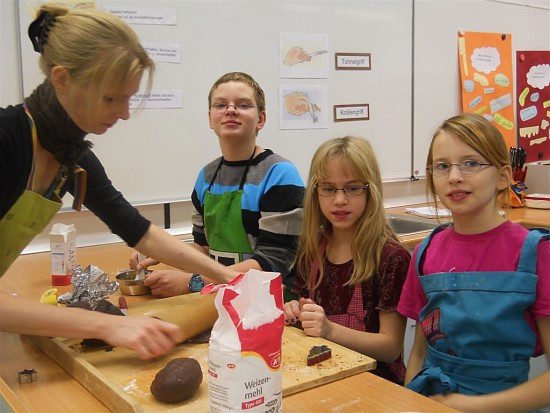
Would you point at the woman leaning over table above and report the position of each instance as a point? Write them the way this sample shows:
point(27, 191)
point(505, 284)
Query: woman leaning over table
point(93, 63)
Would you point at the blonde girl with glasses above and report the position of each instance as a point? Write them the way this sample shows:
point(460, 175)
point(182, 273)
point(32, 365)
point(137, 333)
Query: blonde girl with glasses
point(350, 265)
point(480, 288)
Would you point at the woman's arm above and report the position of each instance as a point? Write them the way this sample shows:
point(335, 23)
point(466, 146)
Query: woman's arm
point(417, 355)
point(148, 337)
point(163, 247)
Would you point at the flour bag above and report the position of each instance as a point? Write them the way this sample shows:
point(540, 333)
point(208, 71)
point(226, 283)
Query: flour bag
point(244, 354)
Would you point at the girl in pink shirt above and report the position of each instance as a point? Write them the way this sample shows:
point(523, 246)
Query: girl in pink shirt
point(479, 288)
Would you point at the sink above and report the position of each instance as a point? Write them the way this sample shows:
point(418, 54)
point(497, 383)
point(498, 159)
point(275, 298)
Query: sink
point(409, 225)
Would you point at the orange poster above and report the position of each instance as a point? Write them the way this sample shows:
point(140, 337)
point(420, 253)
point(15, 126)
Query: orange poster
point(485, 61)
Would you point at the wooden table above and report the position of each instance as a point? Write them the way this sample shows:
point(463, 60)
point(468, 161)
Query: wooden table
point(56, 390)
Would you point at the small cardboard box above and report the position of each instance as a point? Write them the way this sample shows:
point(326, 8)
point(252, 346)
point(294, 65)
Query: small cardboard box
point(63, 252)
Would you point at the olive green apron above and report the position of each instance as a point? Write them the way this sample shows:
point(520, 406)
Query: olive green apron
point(223, 221)
point(26, 218)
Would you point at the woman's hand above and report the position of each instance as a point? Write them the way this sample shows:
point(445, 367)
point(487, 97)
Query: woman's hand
point(148, 337)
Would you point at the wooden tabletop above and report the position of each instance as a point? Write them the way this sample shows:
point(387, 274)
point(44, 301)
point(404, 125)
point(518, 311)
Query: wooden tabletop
point(56, 390)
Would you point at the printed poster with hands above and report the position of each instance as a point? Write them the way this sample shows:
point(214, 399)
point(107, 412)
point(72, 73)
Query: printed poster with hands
point(303, 106)
point(304, 55)
point(485, 61)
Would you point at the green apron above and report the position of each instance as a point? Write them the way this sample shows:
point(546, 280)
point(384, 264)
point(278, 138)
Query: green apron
point(26, 218)
point(227, 239)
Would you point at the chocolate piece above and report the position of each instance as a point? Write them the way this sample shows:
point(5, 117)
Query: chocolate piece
point(103, 306)
point(318, 354)
point(177, 381)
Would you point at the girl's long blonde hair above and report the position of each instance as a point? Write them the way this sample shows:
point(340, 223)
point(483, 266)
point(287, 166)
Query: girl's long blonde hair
point(372, 232)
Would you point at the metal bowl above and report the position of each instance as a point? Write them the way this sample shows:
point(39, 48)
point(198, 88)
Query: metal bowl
point(129, 285)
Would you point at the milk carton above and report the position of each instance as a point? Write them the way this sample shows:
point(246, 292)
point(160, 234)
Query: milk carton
point(63, 252)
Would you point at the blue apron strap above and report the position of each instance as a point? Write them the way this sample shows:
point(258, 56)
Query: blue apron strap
point(528, 257)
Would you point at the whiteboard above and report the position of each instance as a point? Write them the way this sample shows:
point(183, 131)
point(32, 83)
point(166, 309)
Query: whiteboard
point(156, 155)
point(413, 84)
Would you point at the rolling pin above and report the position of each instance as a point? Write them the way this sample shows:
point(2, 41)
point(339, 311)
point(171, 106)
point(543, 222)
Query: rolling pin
point(194, 313)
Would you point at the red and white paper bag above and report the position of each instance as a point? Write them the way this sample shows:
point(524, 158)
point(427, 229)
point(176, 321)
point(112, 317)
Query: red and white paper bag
point(244, 354)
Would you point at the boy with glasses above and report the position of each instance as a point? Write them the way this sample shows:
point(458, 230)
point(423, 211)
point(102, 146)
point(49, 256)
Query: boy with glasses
point(247, 204)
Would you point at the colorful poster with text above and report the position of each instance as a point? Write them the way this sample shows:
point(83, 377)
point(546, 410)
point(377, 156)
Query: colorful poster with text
point(485, 61)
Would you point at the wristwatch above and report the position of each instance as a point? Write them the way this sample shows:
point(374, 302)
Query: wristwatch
point(196, 283)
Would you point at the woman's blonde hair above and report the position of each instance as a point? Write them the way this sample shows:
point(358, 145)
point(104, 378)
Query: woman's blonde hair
point(482, 136)
point(96, 48)
point(372, 232)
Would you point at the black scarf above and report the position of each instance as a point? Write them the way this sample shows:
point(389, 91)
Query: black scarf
point(57, 132)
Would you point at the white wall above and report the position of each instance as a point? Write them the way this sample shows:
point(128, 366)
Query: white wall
point(169, 137)
point(10, 68)
point(437, 35)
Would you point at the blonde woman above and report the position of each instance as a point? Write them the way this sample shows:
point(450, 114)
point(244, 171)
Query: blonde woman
point(93, 64)
point(350, 266)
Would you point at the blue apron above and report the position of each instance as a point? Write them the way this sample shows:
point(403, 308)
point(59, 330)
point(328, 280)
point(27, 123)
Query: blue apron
point(478, 340)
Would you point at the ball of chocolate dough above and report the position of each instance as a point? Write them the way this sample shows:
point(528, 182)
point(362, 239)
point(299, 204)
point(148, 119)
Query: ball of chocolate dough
point(177, 381)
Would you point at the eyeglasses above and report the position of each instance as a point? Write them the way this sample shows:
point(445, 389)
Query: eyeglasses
point(467, 167)
point(222, 107)
point(348, 190)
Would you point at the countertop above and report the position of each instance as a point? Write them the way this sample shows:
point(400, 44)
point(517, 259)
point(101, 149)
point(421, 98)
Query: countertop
point(57, 391)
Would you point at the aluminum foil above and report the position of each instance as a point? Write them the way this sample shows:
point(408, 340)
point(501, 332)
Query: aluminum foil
point(90, 285)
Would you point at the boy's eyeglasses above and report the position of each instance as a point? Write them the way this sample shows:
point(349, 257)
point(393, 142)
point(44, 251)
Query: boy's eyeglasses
point(467, 167)
point(222, 107)
point(348, 190)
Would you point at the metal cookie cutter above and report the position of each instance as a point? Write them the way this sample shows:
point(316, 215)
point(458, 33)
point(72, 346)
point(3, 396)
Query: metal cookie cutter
point(27, 376)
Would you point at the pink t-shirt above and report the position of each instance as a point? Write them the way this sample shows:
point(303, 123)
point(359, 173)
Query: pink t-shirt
point(494, 250)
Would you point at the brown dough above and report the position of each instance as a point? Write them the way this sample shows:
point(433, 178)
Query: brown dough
point(104, 306)
point(177, 381)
